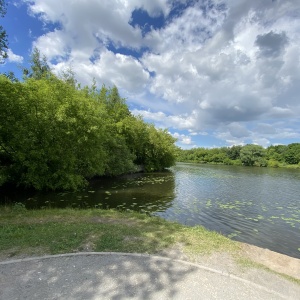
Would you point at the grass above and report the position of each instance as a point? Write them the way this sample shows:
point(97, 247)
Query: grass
point(54, 231)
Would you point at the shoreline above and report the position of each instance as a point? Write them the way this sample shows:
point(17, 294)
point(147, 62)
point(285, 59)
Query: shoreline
point(28, 233)
point(291, 167)
point(275, 261)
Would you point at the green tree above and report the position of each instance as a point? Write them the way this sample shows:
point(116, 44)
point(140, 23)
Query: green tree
point(136, 134)
point(276, 153)
point(39, 67)
point(252, 155)
point(160, 149)
point(292, 153)
point(50, 135)
point(234, 152)
point(3, 35)
point(68, 76)
point(56, 135)
point(116, 106)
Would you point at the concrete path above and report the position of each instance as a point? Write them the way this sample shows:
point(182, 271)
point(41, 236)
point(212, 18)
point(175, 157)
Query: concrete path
point(123, 276)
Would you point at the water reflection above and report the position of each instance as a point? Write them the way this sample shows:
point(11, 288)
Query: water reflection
point(139, 192)
point(260, 206)
point(254, 205)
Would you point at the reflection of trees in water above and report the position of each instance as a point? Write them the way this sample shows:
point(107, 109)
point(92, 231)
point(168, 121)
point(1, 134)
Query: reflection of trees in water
point(140, 192)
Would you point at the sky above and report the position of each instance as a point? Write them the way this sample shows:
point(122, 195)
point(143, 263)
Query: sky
point(214, 73)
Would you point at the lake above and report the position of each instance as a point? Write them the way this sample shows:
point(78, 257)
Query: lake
point(259, 206)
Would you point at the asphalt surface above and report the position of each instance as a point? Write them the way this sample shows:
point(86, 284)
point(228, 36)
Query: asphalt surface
point(122, 276)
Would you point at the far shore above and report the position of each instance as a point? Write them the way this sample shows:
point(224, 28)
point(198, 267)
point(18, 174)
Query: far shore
point(294, 167)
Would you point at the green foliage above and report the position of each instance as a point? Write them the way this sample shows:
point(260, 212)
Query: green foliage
point(3, 35)
point(292, 154)
point(159, 149)
point(56, 135)
point(18, 207)
point(120, 159)
point(116, 106)
point(276, 152)
point(273, 163)
point(153, 148)
point(52, 231)
point(249, 155)
point(2, 8)
point(39, 66)
point(252, 155)
point(136, 134)
point(233, 152)
point(237, 162)
point(49, 134)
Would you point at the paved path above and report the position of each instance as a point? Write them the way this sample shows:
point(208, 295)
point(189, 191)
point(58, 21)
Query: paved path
point(122, 276)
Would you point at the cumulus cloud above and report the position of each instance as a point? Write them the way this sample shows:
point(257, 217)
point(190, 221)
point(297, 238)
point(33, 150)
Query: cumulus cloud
point(12, 57)
point(182, 138)
point(217, 65)
point(174, 121)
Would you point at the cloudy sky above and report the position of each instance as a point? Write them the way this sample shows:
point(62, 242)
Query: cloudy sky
point(215, 73)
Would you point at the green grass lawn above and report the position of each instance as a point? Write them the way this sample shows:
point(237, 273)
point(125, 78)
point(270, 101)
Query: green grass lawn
point(53, 231)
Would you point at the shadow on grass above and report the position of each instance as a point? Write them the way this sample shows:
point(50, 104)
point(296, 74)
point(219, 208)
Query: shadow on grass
point(107, 231)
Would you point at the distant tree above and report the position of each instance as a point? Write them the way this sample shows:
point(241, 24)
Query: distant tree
point(11, 76)
point(3, 35)
point(292, 153)
point(39, 67)
point(234, 152)
point(252, 155)
point(68, 76)
point(276, 153)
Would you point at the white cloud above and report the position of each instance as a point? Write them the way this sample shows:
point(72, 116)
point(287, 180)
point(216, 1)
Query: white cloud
point(259, 133)
point(53, 44)
point(262, 142)
point(221, 68)
point(174, 121)
point(12, 57)
point(182, 138)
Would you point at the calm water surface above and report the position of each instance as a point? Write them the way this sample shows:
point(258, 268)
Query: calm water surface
point(260, 206)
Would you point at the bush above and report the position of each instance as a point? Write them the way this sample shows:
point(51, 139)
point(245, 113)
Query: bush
point(273, 163)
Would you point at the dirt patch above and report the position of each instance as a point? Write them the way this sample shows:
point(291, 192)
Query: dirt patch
point(89, 244)
point(17, 253)
point(228, 263)
point(134, 239)
point(175, 252)
point(112, 221)
point(275, 261)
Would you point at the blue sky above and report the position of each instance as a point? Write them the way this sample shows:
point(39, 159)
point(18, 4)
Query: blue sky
point(215, 73)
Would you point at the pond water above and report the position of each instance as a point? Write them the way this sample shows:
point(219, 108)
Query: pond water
point(259, 206)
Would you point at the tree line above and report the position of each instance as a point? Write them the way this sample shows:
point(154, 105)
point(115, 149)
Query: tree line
point(55, 134)
point(248, 155)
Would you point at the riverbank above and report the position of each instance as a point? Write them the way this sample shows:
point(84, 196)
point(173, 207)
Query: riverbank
point(25, 233)
point(239, 164)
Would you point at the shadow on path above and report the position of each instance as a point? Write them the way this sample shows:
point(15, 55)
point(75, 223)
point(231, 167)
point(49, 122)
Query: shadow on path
point(120, 276)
